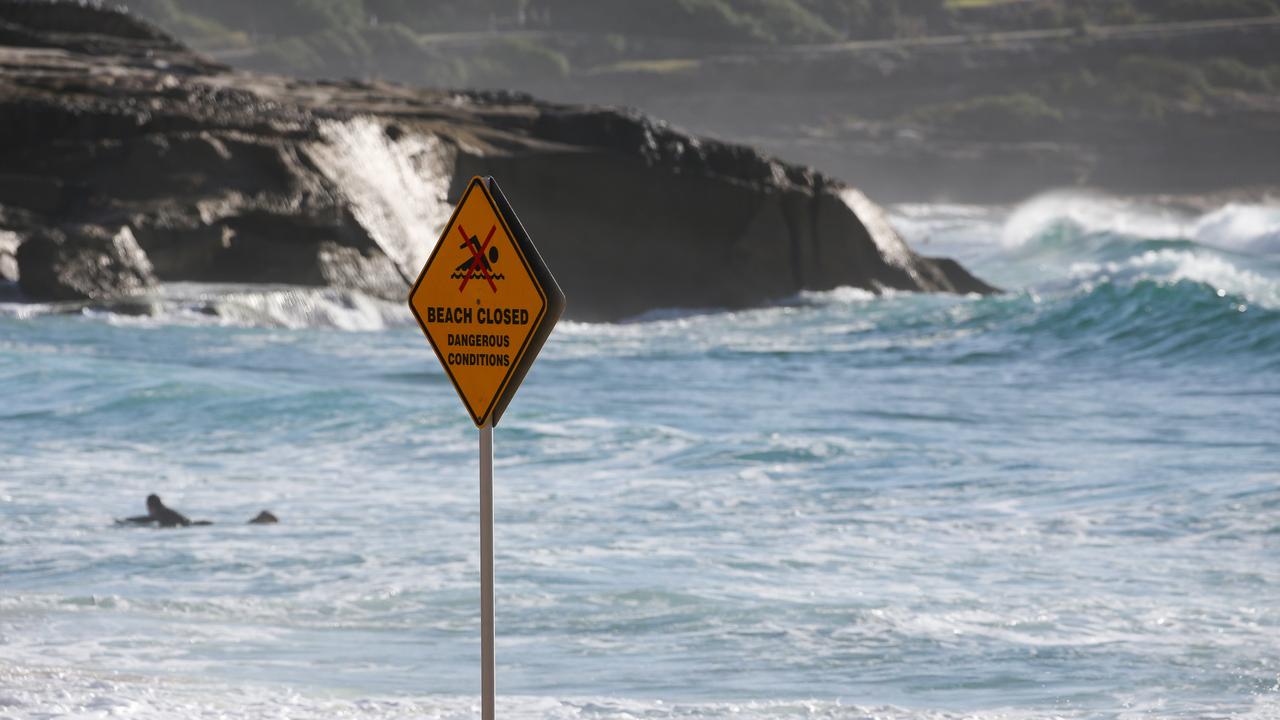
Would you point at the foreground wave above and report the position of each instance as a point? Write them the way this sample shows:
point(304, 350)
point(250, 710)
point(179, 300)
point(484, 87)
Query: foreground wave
point(84, 694)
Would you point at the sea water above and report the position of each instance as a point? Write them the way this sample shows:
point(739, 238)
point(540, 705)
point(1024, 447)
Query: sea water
point(1061, 501)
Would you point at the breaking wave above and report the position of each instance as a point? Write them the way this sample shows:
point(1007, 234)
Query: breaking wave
point(1059, 218)
point(397, 183)
point(1163, 320)
point(1109, 277)
point(1087, 275)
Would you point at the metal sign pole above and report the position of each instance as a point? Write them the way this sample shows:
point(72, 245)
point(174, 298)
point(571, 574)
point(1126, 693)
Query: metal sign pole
point(487, 688)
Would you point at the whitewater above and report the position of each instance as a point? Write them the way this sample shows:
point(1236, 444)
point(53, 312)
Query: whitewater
point(1059, 502)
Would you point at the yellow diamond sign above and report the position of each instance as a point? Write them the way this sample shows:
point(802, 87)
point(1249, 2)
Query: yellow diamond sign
point(485, 301)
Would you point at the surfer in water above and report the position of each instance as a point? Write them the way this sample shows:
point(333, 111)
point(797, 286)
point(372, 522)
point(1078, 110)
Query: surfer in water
point(161, 515)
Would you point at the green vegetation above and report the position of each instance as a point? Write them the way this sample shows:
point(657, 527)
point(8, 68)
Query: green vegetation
point(1214, 9)
point(668, 66)
point(1152, 86)
point(197, 29)
point(1012, 116)
point(1028, 14)
point(409, 39)
point(1232, 74)
point(610, 49)
point(1162, 76)
point(248, 23)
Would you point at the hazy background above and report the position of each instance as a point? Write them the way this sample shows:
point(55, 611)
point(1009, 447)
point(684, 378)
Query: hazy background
point(967, 100)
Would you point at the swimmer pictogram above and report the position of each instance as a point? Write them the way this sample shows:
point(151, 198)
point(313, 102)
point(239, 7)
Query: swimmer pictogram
point(480, 260)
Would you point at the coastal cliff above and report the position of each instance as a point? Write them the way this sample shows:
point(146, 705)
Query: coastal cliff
point(130, 160)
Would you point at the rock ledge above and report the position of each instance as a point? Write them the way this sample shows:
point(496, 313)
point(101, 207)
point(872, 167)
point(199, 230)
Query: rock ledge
point(131, 160)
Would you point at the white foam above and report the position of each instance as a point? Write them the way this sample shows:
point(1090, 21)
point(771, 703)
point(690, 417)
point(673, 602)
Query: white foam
point(398, 189)
point(1253, 229)
point(891, 245)
point(25, 311)
point(311, 307)
point(952, 227)
point(1169, 265)
point(1092, 214)
point(1245, 228)
point(73, 693)
point(40, 692)
point(271, 306)
point(843, 295)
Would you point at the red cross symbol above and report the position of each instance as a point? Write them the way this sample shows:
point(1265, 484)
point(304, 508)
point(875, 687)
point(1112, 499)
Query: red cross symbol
point(477, 258)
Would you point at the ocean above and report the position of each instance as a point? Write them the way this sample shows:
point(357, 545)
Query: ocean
point(1058, 502)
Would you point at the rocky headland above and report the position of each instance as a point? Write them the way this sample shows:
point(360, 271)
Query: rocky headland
point(130, 160)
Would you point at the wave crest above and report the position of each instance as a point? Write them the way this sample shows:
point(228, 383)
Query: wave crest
point(1156, 319)
point(1070, 218)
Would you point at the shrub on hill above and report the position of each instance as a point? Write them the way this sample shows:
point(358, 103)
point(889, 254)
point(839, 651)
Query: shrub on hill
point(1231, 73)
point(1213, 9)
point(1013, 116)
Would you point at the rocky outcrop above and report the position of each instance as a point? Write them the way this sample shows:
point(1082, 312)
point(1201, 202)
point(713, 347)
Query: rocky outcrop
point(83, 262)
point(115, 131)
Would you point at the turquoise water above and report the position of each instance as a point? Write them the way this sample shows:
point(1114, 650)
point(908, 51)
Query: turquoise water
point(1059, 502)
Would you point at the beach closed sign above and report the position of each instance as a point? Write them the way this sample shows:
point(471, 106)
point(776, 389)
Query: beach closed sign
point(485, 301)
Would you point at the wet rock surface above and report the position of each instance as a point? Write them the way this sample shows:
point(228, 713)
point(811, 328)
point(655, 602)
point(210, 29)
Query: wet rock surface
point(131, 160)
point(82, 262)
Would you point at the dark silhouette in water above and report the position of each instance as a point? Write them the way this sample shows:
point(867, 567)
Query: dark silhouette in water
point(266, 517)
point(163, 516)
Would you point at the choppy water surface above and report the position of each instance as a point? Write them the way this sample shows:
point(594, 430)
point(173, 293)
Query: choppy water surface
point(1059, 502)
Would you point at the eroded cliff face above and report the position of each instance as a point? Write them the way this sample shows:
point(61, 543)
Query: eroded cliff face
point(219, 176)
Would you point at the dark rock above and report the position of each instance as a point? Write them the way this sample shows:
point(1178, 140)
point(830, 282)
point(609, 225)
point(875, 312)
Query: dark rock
point(620, 248)
point(949, 275)
point(266, 517)
point(235, 177)
point(82, 262)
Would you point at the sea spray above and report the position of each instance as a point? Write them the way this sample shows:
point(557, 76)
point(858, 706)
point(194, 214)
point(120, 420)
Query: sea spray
point(1246, 228)
point(1091, 214)
point(397, 184)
